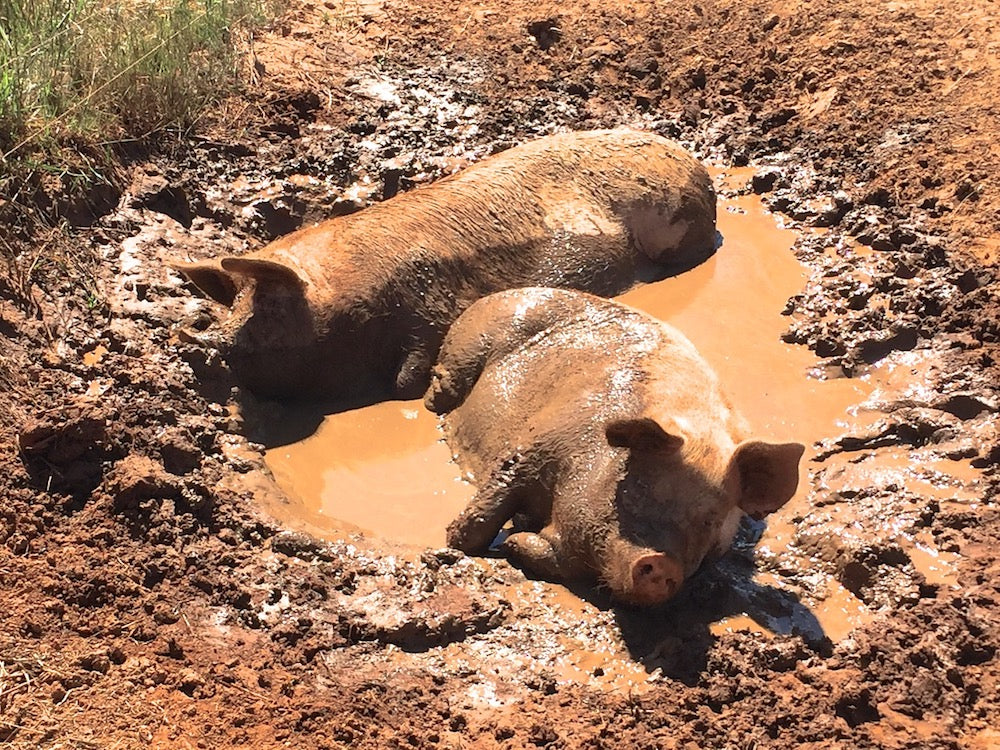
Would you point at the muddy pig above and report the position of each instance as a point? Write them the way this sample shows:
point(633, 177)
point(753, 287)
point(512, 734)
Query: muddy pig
point(357, 306)
point(604, 432)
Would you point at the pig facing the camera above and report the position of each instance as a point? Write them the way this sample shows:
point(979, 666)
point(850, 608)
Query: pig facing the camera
point(606, 434)
point(357, 306)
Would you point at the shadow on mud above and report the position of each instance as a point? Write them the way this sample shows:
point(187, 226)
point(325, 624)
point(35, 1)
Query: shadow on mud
point(677, 637)
point(647, 272)
point(277, 423)
point(268, 422)
point(273, 423)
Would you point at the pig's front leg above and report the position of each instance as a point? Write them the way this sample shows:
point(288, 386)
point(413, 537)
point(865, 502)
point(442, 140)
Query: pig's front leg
point(488, 331)
point(496, 502)
point(414, 373)
point(465, 353)
point(450, 385)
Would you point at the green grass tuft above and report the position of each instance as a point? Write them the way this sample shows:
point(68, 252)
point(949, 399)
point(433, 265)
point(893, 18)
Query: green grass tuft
point(106, 69)
point(77, 79)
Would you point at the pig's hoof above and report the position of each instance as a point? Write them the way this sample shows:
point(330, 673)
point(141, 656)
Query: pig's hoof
point(455, 536)
point(441, 397)
point(436, 399)
point(414, 375)
point(467, 533)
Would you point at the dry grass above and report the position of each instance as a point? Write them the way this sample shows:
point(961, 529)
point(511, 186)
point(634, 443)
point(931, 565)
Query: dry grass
point(83, 78)
point(101, 70)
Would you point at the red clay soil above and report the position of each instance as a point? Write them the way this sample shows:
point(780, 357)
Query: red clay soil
point(149, 602)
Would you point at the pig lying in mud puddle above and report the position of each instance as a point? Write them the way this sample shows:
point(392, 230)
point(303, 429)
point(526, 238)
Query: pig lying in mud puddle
point(605, 435)
point(356, 307)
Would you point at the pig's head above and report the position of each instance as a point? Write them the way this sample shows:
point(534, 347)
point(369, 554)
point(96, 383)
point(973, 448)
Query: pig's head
point(269, 334)
point(681, 499)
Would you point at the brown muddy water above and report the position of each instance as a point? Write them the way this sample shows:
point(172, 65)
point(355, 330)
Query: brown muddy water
point(384, 471)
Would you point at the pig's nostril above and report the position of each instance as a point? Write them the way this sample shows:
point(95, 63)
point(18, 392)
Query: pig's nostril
point(655, 578)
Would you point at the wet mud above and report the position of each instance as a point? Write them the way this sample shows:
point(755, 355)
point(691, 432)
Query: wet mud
point(380, 470)
point(168, 582)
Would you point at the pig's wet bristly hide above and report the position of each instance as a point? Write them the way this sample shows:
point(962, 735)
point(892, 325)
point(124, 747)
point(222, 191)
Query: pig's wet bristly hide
point(608, 432)
point(357, 306)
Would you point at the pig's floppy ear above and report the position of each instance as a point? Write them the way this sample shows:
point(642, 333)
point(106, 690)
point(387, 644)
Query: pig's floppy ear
point(268, 272)
point(211, 279)
point(641, 433)
point(768, 474)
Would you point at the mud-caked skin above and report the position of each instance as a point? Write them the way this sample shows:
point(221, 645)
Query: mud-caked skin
point(605, 434)
point(358, 305)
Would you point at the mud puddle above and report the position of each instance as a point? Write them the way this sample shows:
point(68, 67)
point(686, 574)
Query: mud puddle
point(835, 613)
point(385, 472)
point(384, 469)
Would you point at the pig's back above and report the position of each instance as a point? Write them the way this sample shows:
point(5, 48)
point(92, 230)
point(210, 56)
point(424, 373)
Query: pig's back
point(591, 363)
point(547, 213)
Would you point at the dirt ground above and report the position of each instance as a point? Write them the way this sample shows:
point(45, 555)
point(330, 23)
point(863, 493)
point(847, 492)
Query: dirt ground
point(148, 602)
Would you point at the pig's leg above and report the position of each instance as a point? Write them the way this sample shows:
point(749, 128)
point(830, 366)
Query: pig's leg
point(538, 553)
point(481, 521)
point(460, 363)
point(496, 502)
point(469, 346)
point(452, 379)
point(414, 373)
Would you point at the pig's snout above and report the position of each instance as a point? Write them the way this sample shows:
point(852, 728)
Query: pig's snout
point(656, 577)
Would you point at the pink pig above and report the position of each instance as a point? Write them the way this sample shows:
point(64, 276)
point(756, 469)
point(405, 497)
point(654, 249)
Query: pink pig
point(605, 431)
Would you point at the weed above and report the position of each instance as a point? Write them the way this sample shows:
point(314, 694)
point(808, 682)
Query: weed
point(77, 77)
point(382, 59)
point(125, 68)
point(346, 15)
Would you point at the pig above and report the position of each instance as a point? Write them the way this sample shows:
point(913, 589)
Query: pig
point(604, 434)
point(357, 306)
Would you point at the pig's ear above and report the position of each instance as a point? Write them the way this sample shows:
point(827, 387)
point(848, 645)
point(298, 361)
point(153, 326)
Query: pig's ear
point(641, 433)
point(211, 279)
point(768, 474)
point(269, 272)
